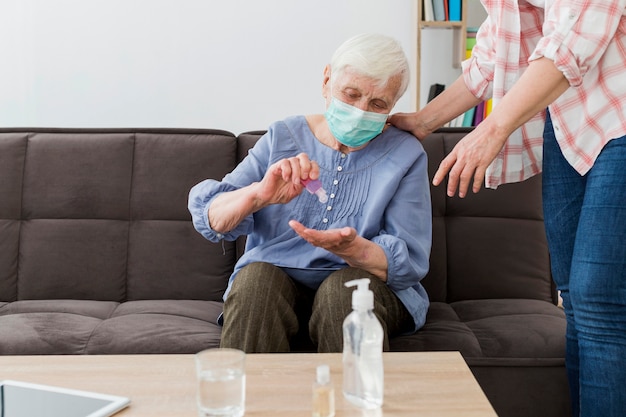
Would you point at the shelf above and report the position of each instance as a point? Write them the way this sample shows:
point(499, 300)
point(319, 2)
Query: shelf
point(458, 48)
point(445, 24)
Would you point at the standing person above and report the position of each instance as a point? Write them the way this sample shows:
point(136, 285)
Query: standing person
point(302, 248)
point(568, 56)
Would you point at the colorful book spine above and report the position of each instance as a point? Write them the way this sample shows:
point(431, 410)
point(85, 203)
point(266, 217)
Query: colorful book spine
point(488, 107)
point(469, 43)
point(438, 9)
point(429, 15)
point(479, 114)
point(468, 117)
point(454, 9)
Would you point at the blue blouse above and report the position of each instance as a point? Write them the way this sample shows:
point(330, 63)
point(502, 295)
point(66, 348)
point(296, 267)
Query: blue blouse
point(381, 190)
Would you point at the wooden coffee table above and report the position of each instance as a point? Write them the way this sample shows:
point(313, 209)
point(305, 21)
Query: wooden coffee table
point(278, 385)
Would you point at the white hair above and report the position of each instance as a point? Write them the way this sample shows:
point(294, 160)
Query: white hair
point(377, 56)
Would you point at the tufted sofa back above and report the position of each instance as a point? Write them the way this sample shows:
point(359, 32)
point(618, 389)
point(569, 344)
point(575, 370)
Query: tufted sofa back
point(101, 214)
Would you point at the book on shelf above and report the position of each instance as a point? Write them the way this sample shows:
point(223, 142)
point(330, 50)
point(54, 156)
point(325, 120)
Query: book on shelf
point(475, 115)
point(454, 10)
point(438, 9)
point(488, 107)
point(457, 121)
point(479, 114)
point(469, 43)
point(435, 90)
point(442, 10)
point(429, 15)
point(468, 117)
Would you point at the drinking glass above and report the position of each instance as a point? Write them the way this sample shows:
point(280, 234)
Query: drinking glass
point(221, 382)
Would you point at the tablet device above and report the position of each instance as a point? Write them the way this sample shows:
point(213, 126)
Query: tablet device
point(23, 399)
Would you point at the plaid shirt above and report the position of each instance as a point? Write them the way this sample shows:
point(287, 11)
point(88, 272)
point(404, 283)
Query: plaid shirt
point(586, 39)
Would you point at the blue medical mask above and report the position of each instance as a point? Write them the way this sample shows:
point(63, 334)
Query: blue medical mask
point(352, 126)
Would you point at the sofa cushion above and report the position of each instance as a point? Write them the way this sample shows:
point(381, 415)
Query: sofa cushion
point(107, 327)
point(37, 327)
point(158, 326)
point(497, 328)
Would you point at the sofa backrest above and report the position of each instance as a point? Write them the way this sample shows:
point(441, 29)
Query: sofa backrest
point(102, 214)
point(487, 245)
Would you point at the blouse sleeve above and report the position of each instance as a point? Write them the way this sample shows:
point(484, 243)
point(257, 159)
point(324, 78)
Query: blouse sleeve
point(577, 33)
point(406, 239)
point(251, 169)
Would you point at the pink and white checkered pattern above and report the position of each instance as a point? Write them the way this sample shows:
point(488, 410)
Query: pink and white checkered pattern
point(587, 41)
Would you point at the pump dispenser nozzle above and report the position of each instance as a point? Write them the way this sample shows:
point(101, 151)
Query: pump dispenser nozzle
point(362, 297)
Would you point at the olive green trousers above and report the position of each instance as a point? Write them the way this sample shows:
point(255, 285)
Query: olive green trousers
point(266, 309)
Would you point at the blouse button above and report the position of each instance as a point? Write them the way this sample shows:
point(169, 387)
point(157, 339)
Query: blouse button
point(329, 208)
point(335, 182)
point(339, 168)
point(332, 195)
point(325, 220)
point(343, 155)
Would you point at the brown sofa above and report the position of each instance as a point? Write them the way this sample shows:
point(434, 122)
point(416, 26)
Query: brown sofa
point(98, 256)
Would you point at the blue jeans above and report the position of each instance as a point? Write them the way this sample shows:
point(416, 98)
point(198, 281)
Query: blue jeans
point(585, 219)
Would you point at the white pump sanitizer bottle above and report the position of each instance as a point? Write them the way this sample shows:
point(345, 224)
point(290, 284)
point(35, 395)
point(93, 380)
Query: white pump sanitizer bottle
point(363, 377)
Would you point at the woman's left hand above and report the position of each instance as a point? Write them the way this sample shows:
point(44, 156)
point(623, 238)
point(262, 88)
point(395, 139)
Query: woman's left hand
point(357, 251)
point(468, 161)
point(337, 241)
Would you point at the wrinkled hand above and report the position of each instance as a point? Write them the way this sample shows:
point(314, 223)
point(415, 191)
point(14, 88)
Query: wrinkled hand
point(468, 162)
point(281, 182)
point(408, 122)
point(337, 241)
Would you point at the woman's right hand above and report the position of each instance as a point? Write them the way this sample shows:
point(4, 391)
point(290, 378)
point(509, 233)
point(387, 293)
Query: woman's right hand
point(408, 122)
point(282, 181)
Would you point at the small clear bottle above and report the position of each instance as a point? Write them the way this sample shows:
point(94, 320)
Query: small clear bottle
point(315, 187)
point(323, 393)
point(363, 377)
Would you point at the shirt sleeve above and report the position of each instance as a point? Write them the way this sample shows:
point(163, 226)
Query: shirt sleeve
point(479, 68)
point(407, 234)
point(576, 34)
point(251, 169)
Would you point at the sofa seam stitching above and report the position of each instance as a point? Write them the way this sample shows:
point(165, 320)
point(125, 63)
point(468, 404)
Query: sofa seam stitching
point(129, 214)
point(21, 218)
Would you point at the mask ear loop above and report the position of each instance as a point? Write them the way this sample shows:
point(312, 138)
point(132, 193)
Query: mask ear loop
point(330, 88)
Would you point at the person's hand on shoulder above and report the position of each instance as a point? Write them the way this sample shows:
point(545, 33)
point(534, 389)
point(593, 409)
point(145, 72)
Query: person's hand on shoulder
point(408, 122)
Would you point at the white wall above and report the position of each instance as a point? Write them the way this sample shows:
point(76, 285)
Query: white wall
point(230, 64)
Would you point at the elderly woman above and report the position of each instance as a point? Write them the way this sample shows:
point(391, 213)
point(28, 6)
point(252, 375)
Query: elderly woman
point(373, 222)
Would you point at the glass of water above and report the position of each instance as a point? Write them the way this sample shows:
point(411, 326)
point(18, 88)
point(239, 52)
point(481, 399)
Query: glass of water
point(221, 382)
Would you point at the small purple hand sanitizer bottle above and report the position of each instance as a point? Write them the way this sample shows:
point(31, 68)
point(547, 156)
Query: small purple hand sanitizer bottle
point(315, 187)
